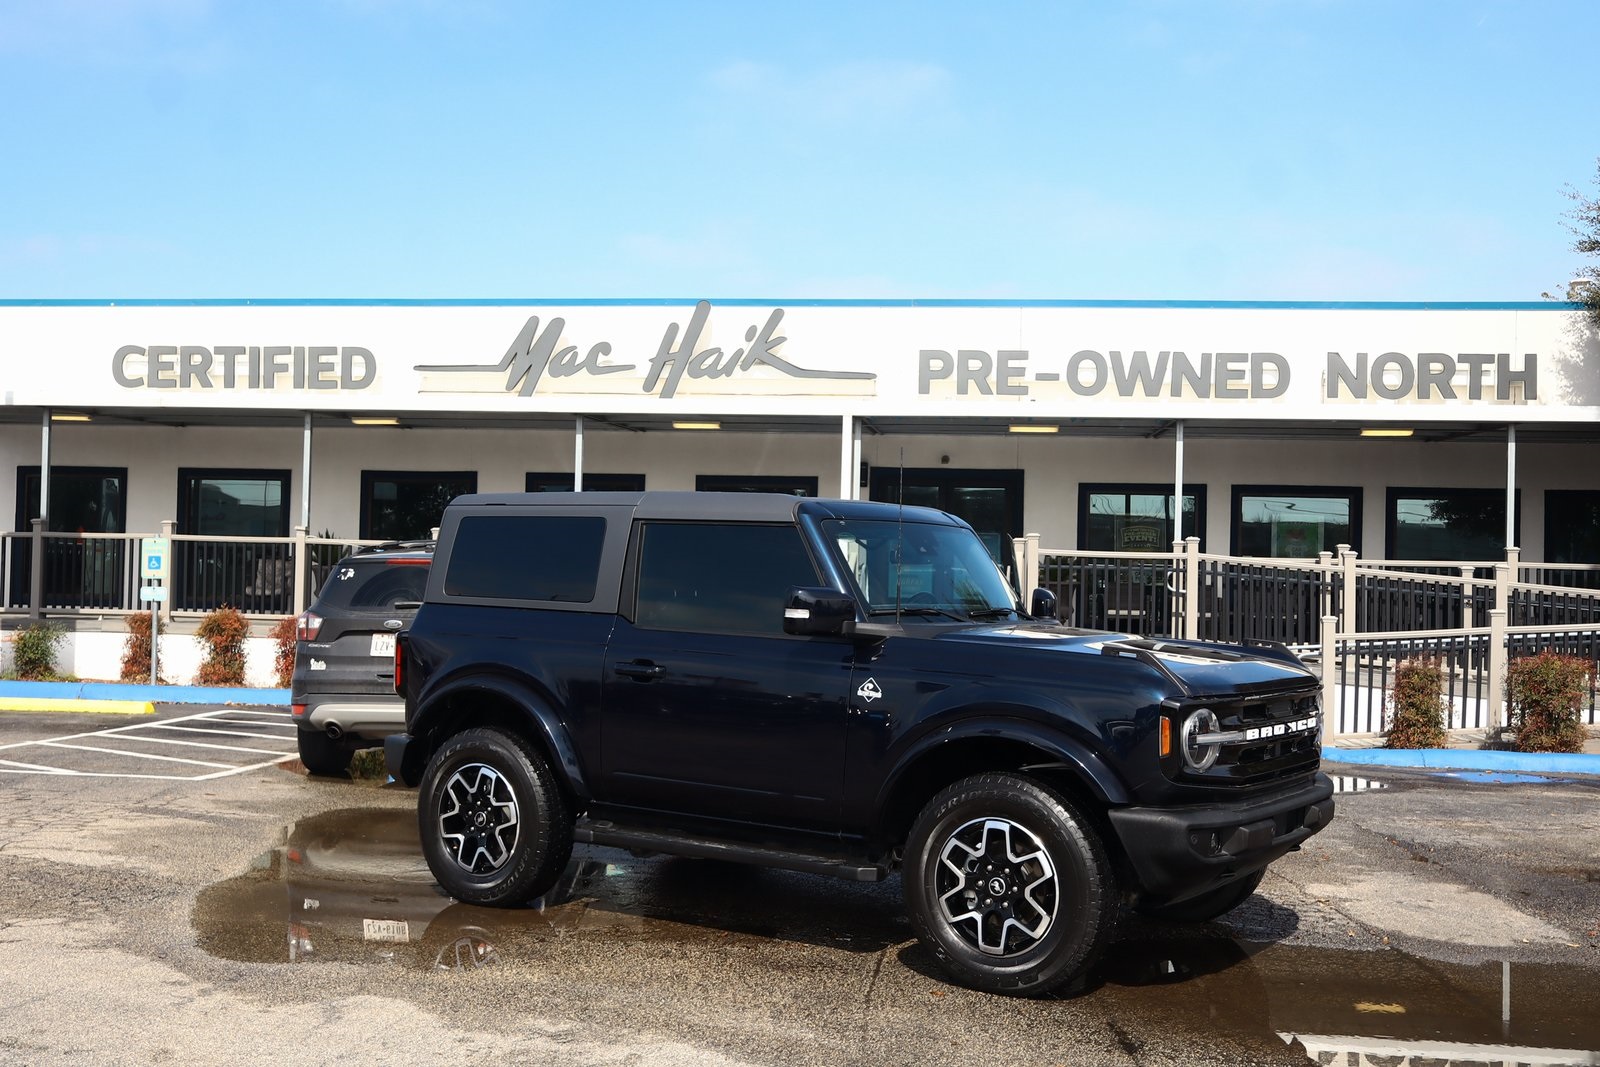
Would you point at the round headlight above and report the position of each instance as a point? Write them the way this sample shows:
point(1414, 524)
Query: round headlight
point(1200, 756)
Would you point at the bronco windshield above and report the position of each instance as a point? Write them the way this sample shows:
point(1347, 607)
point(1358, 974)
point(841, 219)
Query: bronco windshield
point(921, 568)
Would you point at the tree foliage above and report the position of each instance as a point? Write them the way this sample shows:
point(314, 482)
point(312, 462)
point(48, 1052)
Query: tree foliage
point(1583, 221)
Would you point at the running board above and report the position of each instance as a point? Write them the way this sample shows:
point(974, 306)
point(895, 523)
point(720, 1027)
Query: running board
point(609, 833)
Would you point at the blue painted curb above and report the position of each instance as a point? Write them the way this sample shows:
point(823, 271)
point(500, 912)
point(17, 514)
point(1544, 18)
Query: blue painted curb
point(1467, 759)
point(156, 694)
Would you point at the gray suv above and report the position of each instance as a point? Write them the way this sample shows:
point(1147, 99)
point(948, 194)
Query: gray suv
point(342, 693)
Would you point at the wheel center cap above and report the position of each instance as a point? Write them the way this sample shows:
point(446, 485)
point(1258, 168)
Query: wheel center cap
point(997, 886)
point(480, 820)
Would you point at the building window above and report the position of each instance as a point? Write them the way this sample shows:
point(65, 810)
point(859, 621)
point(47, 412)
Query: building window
point(1447, 524)
point(1295, 521)
point(1136, 518)
point(82, 499)
point(233, 503)
point(755, 483)
point(709, 578)
point(1572, 526)
point(78, 572)
point(990, 501)
point(556, 482)
point(407, 505)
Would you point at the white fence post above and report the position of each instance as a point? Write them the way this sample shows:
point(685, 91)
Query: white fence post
point(1191, 588)
point(1347, 611)
point(1325, 569)
point(1032, 570)
point(1506, 575)
point(36, 572)
point(1330, 676)
point(168, 526)
point(1496, 683)
point(300, 568)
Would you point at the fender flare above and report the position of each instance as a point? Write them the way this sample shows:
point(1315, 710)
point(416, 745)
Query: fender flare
point(1067, 753)
point(539, 720)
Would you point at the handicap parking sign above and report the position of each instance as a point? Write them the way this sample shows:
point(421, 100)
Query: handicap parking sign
point(153, 551)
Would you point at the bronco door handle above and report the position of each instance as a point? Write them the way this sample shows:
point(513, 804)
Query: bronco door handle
point(642, 671)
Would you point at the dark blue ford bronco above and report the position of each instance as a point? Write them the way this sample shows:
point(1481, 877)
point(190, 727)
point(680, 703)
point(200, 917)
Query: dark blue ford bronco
point(840, 687)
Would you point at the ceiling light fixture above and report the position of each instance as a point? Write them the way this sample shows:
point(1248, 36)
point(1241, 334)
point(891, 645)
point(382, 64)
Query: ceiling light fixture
point(697, 425)
point(68, 416)
point(374, 420)
point(1386, 431)
point(1033, 427)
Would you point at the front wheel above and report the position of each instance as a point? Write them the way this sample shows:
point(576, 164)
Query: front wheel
point(496, 829)
point(1008, 885)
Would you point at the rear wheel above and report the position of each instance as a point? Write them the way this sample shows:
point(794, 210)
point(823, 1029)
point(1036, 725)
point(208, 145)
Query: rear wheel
point(496, 828)
point(322, 755)
point(1008, 885)
point(1207, 906)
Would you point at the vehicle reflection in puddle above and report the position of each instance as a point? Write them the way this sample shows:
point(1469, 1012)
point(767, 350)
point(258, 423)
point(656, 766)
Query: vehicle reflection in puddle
point(351, 886)
point(1350, 783)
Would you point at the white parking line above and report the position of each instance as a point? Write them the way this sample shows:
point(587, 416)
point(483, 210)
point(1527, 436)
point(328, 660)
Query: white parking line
point(206, 722)
point(137, 755)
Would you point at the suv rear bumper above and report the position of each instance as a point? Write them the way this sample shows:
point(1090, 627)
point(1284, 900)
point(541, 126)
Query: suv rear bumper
point(1177, 853)
point(365, 717)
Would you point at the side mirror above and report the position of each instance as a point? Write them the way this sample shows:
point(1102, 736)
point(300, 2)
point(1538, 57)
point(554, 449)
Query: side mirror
point(1043, 605)
point(818, 612)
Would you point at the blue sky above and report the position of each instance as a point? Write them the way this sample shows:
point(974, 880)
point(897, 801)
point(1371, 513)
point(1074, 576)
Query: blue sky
point(1156, 150)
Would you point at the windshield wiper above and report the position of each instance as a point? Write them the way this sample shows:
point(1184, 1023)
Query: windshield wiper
point(918, 609)
point(992, 613)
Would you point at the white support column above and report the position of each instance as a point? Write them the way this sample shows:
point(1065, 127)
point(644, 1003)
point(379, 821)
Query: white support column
point(577, 457)
point(855, 465)
point(849, 438)
point(40, 523)
point(1511, 486)
point(1177, 490)
point(44, 471)
point(305, 474)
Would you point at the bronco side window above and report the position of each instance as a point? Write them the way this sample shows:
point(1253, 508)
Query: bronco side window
point(711, 578)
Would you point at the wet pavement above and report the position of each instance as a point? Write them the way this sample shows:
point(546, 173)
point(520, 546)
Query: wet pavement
point(349, 887)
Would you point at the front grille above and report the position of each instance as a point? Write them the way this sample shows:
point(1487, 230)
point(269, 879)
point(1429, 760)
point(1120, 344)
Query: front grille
point(1268, 737)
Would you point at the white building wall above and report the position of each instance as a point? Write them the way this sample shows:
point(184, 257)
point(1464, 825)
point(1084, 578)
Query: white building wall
point(1054, 466)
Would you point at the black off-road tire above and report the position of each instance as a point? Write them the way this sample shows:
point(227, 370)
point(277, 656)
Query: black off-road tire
point(1215, 904)
point(496, 827)
point(1021, 927)
point(324, 756)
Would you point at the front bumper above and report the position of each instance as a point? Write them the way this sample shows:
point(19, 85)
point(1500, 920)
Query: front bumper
point(1178, 853)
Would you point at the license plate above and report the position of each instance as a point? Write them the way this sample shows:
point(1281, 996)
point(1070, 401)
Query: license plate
point(383, 644)
point(385, 930)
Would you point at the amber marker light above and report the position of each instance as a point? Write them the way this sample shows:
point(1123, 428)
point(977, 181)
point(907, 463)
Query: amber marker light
point(1166, 736)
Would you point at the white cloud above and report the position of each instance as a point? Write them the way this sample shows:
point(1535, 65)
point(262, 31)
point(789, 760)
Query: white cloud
point(861, 91)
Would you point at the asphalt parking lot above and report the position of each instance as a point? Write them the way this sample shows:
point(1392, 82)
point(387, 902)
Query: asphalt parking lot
point(200, 916)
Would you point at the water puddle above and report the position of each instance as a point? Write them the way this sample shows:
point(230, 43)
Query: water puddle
point(1497, 777)
point(351, 886)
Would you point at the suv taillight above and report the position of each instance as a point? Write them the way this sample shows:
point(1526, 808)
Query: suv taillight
point(400, 664)
point(307, 626)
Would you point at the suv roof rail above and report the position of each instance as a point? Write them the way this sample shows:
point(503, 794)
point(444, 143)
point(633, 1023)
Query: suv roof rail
point(393, 546)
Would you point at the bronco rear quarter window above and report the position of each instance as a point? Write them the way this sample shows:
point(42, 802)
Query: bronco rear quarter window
point(551, 558)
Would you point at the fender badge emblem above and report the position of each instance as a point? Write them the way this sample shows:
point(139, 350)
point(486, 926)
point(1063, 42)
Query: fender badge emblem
point(869, 690)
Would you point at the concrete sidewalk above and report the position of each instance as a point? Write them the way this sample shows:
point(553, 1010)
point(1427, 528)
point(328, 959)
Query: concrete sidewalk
point(119, 699)
point(1469, 750)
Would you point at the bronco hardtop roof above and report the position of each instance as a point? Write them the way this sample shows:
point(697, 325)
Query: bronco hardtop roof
point(736, 507)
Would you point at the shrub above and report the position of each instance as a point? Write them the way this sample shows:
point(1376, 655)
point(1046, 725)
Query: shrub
point(367, 764)
point(136, 648)
point(283, 645)
point(223, 631)
point(1416, 708)
point(33, 652)
point(1546, 697)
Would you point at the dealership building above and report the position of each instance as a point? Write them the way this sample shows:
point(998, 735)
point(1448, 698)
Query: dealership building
point(1407, 431)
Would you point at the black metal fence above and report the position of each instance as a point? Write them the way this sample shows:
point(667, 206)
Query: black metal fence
point(1365, 676)
point(1115, 593)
